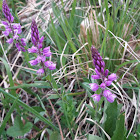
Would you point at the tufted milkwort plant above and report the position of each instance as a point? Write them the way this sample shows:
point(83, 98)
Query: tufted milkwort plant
point(103, 77)
point(12, 30)
point(41, 53)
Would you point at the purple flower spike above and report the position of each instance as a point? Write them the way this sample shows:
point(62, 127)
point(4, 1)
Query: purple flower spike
point(102, 74)
point(40, 71)
point(33, 50)
point(94, 86)
point(50, 65)
point(96, 97)
point(109, 96)
point(95, 76)
point(34, 33)
point(33, 62)
point(112, 77)
point(97, 60)
point(6, 12)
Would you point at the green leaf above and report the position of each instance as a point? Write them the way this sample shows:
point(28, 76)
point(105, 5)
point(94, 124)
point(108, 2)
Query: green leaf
point(7, 117)
point(55, 136)
point(120, 129)
point(19, 129)
point(111, 117)
point(131, 137)
point(93, 137)
point(13, 92)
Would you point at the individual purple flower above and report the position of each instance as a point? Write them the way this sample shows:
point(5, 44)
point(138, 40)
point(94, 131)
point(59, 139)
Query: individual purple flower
point(50, 65)
point(41, 39)
point(33, 50)
point(108, 83)
point(93, 86)
point(95, 77)
point(96, 97)
point(10, 40)
point(40, 71)
point(109, 96)
point(6, 33)
point(41, 58)
point(47, 52)
point(33, 62)
point(103, 85)
point(106, 72)
point(17, 28)
point(5, 23)
point(6, 12)
point(112, 77)
point(23, 41)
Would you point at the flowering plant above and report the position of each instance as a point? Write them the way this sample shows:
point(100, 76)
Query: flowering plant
point(41, 53)
point(12, 28)
point(101, 74)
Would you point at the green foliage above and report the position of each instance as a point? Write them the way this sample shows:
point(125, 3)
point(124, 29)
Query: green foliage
point(19, 129)
point(55, 136)
point(111, 117)
point(120, 129)
point(118, 24)
point(94, 137)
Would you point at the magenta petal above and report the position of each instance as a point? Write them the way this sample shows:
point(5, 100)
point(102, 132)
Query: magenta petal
point(47, 52)
point(33, 50)
point(40, 71)
point(108, 83)
point(112, 77)
point(50, 65)
point(4, 22)
point(103, 85)
point(95, 76)
point(109, 96)
point(33, 62)
point(6, 33)
point(41, 39)
point(94, 86)
point(10, 40)
point(96, 97)
point(106, 72)
point(97, 72)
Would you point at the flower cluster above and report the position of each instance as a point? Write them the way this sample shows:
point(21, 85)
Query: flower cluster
point(37, 48)
point(12, 28)
point(101, 74)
